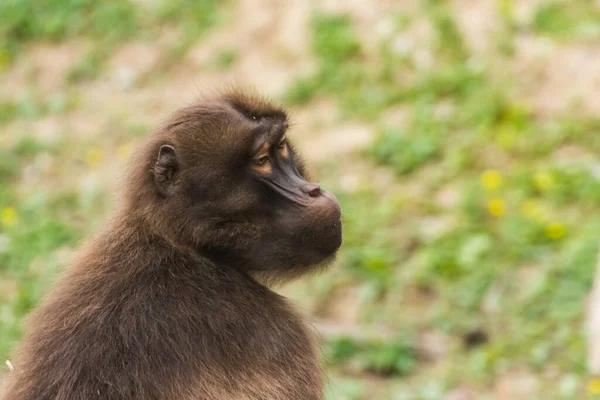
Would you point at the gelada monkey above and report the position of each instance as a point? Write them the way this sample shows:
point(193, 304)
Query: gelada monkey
point(170, 300)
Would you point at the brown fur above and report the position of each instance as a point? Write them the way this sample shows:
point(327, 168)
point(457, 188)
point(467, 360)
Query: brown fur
point(164, 303)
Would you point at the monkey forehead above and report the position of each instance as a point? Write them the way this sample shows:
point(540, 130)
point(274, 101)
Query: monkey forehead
point(235, 122)
point(253, 106)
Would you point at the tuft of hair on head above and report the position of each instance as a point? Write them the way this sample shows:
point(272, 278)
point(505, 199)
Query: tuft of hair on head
point(250, 103)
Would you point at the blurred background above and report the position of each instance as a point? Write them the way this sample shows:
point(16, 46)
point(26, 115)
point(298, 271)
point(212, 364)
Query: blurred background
point(461, 137)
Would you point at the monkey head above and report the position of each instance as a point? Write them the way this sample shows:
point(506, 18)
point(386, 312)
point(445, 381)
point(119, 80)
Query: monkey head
point(221, 177)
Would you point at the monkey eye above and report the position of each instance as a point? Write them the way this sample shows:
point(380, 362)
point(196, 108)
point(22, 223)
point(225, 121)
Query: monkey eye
point(261, 161)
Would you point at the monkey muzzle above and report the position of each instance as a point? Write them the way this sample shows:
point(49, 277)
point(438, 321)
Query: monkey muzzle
point(311, 214)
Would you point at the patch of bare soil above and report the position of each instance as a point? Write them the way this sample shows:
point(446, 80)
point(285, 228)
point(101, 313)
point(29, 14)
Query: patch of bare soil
point(44, 65)
point(557, 78)
point(434, 345)
point(343, 306)
point(132, 61)
point(337, 140)
point(592, 325)
point(478, 21)
point(525, 10)
point(553, 78)
point(376, 18)
point(461, 393)
point(516, 384)
point(272, 45)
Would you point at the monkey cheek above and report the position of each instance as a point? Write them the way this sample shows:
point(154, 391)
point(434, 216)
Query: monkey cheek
point(307, 235)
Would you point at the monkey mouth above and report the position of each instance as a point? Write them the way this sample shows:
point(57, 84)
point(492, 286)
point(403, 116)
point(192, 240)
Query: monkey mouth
point(325, 228)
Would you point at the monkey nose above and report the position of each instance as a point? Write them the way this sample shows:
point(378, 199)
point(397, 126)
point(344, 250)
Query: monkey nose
point(313, 190)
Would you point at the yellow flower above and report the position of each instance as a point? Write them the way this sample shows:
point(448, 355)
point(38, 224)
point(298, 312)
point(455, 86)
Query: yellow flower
point(9, 216)
point(543, 180)
point(496, 207)
point(555, 231)
point(94, 158)
point(534, 211)
point(491, 179)
point(593, 386)
point(531, 210)
point(123, 152)
point(507, 9)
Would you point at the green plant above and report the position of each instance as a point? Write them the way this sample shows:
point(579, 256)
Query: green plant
point(23, 21)
point(395, 358)
point(563, 19)
point(225, 59)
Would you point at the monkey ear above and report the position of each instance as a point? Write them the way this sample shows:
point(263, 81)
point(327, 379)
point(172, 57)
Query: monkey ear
point(165, 169)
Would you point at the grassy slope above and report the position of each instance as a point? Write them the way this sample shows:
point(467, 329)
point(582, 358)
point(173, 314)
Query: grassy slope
point(466, 271)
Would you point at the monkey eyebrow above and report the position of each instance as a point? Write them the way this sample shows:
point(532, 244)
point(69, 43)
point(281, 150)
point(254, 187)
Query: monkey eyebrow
point(259, 142)
point(268, 130)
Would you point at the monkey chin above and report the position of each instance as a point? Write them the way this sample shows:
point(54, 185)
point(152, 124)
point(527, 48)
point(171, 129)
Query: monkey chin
point(280, 277)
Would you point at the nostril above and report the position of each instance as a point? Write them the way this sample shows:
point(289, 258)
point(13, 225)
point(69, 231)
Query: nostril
point(315, 192)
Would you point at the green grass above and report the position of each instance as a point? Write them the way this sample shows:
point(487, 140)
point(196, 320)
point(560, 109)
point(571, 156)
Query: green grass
point(225, 59)
point(90, 66)
point(511, 255)
point(23, 21)
point(192, 19)
point(382, 358)
point(448, 41)
point(407, 152)
point(340, 73)
point(32, 106)
point(106, 24)
point(32, 227)
point(191, 16)
point(562, 19)
point(539, 220)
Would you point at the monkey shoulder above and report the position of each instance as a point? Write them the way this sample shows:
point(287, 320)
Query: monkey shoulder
point(178, 328)
point(262, 341)
point(253, 339)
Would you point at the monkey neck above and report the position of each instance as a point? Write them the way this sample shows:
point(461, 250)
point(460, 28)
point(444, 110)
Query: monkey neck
point(129, 232)
point(143, 228)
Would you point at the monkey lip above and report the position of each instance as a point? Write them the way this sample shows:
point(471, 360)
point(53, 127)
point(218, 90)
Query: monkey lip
point(328, 206)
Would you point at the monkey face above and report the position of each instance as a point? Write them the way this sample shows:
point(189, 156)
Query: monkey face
point(234, 187)
point(305, 220)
